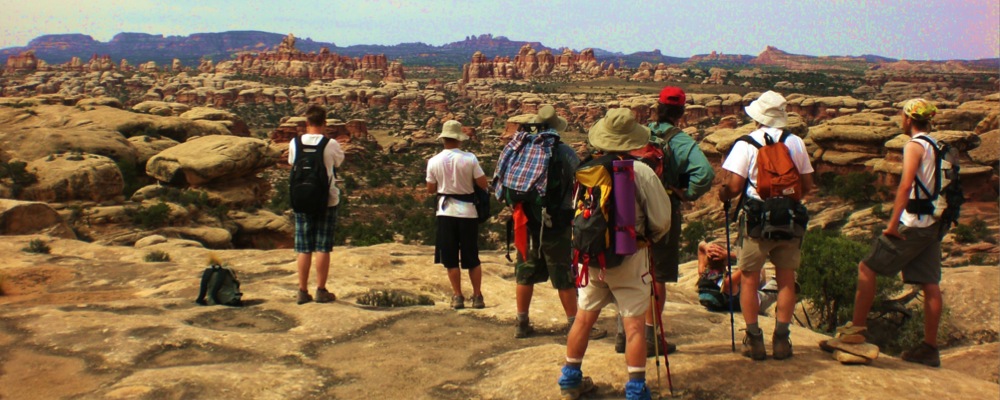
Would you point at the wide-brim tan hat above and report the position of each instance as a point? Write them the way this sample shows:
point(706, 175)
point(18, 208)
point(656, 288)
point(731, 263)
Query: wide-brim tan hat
point(769, 110)
point(452, 130)
point(618, 131)
point(547, 115)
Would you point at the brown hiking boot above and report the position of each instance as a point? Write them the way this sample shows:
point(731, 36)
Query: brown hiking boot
point(753, 346)
point(523, 329)
point(304, 297)
point(586, 386)
point(620, 343)
point(458, 302)
point(652, 346)
point(478, 302)
point(781, 347)
point(923, 354)
point(324, 296)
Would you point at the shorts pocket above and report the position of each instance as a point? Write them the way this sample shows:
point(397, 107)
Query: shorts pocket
point(884, 255)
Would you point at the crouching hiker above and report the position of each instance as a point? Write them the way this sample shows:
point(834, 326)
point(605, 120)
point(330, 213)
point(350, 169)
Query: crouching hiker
point(771, 168)
point(911, 243)
point(616, 271)
point(314, 196)
point(451, 175)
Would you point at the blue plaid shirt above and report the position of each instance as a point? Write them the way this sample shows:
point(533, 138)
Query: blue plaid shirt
point(523, 163)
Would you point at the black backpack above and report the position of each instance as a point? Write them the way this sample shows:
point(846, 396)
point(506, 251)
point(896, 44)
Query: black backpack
point(944, 202)
point(309, 184)
point(219, 286)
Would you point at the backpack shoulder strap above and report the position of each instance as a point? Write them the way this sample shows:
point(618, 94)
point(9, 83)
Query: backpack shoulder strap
point(751, 141)
point(205, 277)
point(673, 131)
point(938, 156)
point(784, 136)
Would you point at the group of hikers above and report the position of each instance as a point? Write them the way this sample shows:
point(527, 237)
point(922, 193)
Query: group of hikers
point(606, 228)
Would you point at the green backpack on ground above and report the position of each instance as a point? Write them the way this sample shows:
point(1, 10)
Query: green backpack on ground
point(219, 286)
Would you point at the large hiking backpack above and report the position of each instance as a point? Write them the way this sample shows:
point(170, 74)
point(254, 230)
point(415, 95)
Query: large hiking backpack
point(597, 228)
point(657, 154)
point(219, 286)
point(309, 183)
point(945, 201)
point(781, 215)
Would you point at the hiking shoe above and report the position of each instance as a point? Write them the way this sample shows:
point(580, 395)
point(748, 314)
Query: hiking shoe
point(637, 390)
point(620, 343)
point(781, 347)
point(851, 334)
point(572, 384)
point(753, 346)
point(523, 329)
point(598, 333)
point(651, 348)
point(923, 354)
point(458, 302)
point(324, 296)
point(304, 297)
point(477, 302)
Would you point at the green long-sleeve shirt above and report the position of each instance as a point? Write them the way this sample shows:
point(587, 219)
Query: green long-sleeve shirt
point(691, 170)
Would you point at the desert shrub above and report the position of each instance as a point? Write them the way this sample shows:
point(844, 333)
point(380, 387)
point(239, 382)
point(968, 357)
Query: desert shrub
point(150, 217)
point(130, 175)
point(879, 212)
point(975, 232)
point(828, 276)
point(17, 175)
point(156, 256)
point(281, 201)
point(393, 298)
point(898, 332)
point(37, 246)
point(853, 186)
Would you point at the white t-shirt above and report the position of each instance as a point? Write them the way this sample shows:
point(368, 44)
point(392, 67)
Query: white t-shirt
point(454, 171)
point(925, 174)
point(742, 159)
point(333, 156)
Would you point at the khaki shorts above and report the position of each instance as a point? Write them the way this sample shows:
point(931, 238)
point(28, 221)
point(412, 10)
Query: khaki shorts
point(918, 257)
point(784, 254)
point(626, 284)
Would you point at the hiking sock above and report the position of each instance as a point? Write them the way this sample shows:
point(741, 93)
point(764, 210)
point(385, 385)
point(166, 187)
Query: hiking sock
point(522, 317)
point(575, 363)
point(780, 329)
point(755, 329)
point(637, 374)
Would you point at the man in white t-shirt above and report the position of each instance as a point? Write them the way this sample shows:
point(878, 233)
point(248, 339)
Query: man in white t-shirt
point(910, 243)
point(314, 232)
point(769, 113)
point(450, 175)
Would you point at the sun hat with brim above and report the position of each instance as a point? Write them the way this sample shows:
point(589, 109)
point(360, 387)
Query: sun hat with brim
point(547, 115)
point(769, 110)
point(618, 131)
point(452, 130)
point(919, 109)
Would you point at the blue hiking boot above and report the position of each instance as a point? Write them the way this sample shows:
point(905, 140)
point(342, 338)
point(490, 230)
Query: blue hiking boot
point(637, 390)
point(572, 383)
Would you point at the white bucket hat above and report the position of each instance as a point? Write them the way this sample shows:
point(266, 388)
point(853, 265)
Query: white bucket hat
point(618, 131)
point(769, 110)
point(452, 130)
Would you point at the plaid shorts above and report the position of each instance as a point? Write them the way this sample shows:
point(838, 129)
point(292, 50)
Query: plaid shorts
point(314, 233)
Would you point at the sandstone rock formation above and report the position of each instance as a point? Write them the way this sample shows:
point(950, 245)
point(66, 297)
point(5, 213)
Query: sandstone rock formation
point(287, 61)
point(529, 63)
point(65, 177)
point(210, 158)
point(30, 218)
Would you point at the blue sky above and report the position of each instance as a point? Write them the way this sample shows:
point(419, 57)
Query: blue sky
point(922, 29)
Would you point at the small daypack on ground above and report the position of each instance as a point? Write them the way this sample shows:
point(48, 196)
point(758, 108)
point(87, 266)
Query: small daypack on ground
point(309, 183)
point(945, 201)
point(710, 293)
point(594, 222)
point(781, 215)
point(219, 286)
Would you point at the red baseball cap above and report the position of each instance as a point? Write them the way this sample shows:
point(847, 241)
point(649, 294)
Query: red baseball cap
point(672, 96)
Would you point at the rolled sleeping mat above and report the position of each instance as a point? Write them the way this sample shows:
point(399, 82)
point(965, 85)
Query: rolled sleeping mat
point(623, 176)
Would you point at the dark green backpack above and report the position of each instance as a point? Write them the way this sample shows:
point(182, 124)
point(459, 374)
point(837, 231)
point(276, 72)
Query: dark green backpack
point(219, 286)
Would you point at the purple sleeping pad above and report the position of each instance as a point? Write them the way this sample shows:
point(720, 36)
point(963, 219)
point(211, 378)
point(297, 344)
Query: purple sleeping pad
point(623, 177)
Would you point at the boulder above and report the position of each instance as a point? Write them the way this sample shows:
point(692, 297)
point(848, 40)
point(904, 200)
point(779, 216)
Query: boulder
point(150, 241)
point(148, 146)
point(210, 158)
point(971, 294)
point(234, 123)
point(30, 218)
point(66, 177)
point(248, 191)
point(262, 229)
point(988, 152)
point(100, 101)
point(212, 238)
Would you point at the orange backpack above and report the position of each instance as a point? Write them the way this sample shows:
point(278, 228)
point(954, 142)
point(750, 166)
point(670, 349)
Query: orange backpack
point(777, 175)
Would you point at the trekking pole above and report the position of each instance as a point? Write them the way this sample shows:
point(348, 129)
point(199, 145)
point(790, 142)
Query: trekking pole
point(656, 344)
point(658, 319)
point(729, 263)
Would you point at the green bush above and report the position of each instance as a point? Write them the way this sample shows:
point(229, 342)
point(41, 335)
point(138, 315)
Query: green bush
point(393, 298)
point(282, 199)
point(692, 234)
point(37, 246)
point(156, 256)
point(853, 186)
point(975, 232)
point(130, 175)
point(828, 276)
point(150, 218)
point(17, 175)
point(878, 212)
